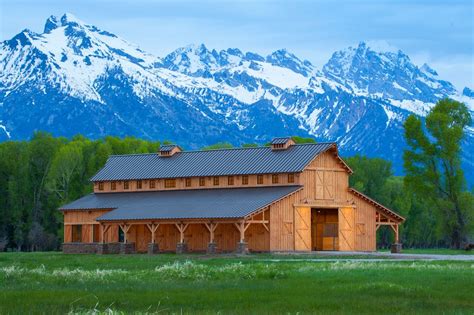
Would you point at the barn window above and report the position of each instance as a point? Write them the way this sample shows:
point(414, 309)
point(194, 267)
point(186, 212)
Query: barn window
point(291, 178)
point(230, 180)
point(245, 180)
point(126, 184)
point(139, 184)
point(113, 186)
point(152, 184)
point(170, 183)
point(101, 186)
point(77, 233)
point(202, 181)
point(275, 179)
point(188, 182)
point(259, 179)
point(216, 181)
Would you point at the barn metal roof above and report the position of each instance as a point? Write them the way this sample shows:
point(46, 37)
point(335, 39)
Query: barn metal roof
point(260, 160)
point(182, 204)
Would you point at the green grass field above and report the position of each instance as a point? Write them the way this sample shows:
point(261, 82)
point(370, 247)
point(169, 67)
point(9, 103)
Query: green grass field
point(435, 251)
point(50, 283)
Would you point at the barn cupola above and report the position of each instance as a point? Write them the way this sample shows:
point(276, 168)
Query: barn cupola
point(282, 143)
point(168, 150)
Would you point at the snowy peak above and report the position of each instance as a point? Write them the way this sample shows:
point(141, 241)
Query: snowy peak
point(51, 23)
point(387, 73)
point(285, 59)
point(194, 60)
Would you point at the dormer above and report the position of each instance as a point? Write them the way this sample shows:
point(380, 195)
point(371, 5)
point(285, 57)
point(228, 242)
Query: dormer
point(168, 150)
point(282, 143)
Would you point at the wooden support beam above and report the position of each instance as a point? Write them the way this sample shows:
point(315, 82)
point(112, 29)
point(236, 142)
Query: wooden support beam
point(241, 227)
point(105, 228)
point(395, 230)
point(125, 227)
point(181, 228)
point(211, 227)
point(153, 227)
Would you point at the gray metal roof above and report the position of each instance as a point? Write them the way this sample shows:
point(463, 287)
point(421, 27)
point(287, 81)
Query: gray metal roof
point(260, 160)
point(168, 147)
point(182, 204)
point(280, 140)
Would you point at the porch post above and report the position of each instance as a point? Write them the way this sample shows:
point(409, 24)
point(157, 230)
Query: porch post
point(153, 248)
point(242, 246)
point(212, 246)
point(181, 247)
point(396, 248)
point(126, 248)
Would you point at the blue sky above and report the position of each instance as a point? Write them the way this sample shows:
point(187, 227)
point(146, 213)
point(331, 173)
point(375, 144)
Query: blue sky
point(437, 32)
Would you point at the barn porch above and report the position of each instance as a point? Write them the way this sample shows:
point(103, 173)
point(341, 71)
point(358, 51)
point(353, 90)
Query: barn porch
point(202, 236)
point(218, 220)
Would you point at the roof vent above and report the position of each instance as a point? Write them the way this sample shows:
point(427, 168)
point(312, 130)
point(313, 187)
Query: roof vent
point(169, 149)
point(282, 143)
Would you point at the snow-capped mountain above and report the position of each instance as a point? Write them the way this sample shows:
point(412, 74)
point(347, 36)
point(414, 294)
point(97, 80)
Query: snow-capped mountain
point(76, 78)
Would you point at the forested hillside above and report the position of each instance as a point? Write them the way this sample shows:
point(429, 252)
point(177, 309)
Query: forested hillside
point(39, 175)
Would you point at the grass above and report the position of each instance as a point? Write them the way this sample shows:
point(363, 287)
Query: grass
point(52, 283)
point(437, 251)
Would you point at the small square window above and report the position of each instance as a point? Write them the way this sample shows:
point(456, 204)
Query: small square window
point(170, 183)
point(202, 181)
point(139, 184)
point(291, 178)
point(275, 179)
point(126, 184)
point(245, 180)
point(101, 185)
point(259, 179)
point(216, 181)
point(188, 182)
point(113, 186)
point(230, 180)
point(152, 184)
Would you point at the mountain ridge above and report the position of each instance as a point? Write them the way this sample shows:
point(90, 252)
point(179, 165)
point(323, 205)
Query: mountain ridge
point(75, 77)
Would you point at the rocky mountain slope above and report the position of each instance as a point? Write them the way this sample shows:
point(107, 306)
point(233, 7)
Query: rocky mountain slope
point(76, 78)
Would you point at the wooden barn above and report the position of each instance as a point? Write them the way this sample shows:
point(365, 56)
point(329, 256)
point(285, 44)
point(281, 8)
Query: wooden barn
point(284, 197)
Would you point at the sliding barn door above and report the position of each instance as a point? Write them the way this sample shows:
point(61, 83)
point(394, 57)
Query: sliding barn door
point(346, 220)
point(302, 228)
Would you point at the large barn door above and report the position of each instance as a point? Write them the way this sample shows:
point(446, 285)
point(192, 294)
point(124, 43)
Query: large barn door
point(346, 229)
point(302, 228)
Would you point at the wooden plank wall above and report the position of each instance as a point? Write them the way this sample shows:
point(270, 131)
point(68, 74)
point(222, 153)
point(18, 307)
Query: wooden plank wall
point(365, 232)
point(180, 183)
point(88, 222)
point(325, 179)
point(282, 223)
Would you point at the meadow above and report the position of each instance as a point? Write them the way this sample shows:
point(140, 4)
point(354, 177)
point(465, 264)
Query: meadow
point(52, 283)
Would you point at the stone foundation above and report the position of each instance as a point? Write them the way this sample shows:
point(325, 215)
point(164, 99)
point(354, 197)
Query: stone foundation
point(396, 248)
point(80, 248)
point(108, 248)
point(242, 248)
point(211, 248)
point(181, 248)
point(153, 248)
point(127, 248)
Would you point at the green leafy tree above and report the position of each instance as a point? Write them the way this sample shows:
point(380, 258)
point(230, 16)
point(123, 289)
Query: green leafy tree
point(302, 140)
point(219, 145)
point(433, 166)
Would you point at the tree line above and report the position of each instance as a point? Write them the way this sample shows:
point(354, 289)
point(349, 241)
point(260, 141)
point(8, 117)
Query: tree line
point(39, 175)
